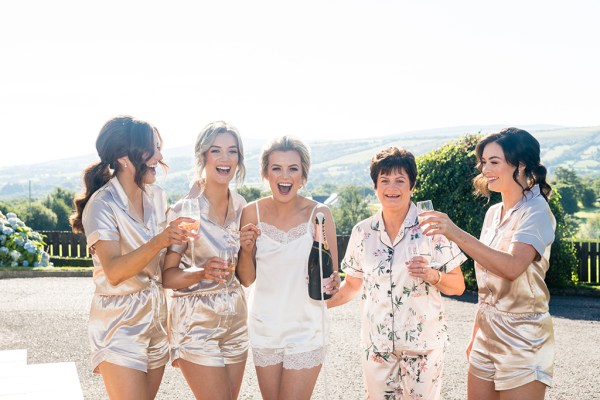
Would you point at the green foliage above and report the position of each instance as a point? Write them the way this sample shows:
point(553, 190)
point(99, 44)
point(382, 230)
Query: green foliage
point(20, 245)
point(249, 193)
point(350, 208)
point(588, 197)
point(563, 258)
point(324, 189)
point(446, 178)
point(60, 201)
point(568, 176)
point(591, 229)
point(39, 217)
point(568, 197)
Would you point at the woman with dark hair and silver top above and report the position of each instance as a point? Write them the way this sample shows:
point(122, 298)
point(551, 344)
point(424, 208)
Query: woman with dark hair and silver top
point(210, 346)
point(122, 214)
point(511, 354)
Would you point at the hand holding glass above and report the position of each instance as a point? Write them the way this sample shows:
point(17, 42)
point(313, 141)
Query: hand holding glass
point(422, 206)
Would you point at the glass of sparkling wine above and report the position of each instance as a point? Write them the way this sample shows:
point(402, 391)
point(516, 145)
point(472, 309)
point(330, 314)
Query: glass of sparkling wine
point(413, 251)
point(229, 257)
point(422, 206)
point(191, 208)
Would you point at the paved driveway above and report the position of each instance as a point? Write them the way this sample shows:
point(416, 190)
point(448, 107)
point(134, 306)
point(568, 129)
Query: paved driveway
point(48, 317)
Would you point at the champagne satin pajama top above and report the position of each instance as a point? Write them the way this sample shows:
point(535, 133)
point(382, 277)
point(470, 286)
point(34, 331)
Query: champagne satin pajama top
point(127, 321)
point(515, 341)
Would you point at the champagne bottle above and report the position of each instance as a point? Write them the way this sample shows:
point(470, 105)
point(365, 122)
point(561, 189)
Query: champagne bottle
point(319, 250)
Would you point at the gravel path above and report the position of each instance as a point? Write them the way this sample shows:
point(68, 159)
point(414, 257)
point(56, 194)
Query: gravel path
point(48, 317)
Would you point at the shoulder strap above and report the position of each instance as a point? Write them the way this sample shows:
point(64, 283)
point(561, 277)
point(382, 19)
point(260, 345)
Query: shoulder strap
point(310, 219)
point(257, 213)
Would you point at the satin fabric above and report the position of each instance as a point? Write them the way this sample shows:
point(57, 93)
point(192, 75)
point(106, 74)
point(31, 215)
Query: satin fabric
point(107, 216)
point(130, 330)
point(283, 319)
point(214, 237)
point(127, 321)
point(199, 333)
point(512, 349)
point(515, 341)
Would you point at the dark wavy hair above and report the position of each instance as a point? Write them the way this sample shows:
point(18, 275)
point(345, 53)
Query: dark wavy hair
point(519, 147)
point(119, 137)
point(393, 159)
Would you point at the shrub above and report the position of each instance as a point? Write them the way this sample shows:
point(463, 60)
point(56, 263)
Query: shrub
point(20, 245)
point(568, 197)
point(563, 257)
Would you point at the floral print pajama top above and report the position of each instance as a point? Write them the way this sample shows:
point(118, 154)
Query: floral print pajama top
point(399, 312)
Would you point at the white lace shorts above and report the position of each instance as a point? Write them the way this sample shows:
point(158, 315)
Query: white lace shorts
point(306, 360)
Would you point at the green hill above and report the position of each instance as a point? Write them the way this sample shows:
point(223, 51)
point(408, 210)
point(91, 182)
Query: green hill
point(338, 162)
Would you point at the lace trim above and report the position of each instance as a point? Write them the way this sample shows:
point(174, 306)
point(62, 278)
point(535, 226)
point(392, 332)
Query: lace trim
point(306, 360)
point(286, 237)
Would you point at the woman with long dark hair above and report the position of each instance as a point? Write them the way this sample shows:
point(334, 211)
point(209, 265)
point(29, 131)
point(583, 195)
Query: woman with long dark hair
point(122, 214)
point(511, 354)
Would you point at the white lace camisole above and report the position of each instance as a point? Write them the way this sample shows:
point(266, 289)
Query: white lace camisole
point(284, 323)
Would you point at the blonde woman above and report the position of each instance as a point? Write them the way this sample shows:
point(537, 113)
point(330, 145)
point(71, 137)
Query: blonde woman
point(210, 347)
point(287, 328)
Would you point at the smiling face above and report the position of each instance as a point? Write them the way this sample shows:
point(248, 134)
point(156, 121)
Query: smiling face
point(284, 173)
point(393, 190)
point(152, 163)
point(222, 159)
point(496, 170)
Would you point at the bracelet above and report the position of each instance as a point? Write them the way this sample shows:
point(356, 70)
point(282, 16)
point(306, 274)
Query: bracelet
point(439, 279)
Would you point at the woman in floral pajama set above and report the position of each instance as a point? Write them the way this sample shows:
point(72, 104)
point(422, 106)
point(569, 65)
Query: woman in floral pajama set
point(403, 327)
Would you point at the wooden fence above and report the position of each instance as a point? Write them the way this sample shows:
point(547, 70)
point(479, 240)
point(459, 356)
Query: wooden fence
point(589, 261)
point(66, 244)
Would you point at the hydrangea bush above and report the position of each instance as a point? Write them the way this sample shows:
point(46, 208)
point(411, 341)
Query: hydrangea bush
point(20, 245)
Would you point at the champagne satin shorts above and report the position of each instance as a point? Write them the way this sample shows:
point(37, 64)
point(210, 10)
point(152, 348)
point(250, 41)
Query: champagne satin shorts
point(130, 330)
point(201, 334)
point(512, 349)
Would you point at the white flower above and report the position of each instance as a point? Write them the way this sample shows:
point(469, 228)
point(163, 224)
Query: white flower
point(15, 255)
point(7, 230)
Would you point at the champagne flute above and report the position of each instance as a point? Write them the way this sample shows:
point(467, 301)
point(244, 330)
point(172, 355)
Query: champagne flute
point(422, 206)
point(191, 208)
point(229, 257)
point(412, 251)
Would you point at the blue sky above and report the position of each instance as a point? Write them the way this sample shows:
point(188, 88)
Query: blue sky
point(316, 69)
